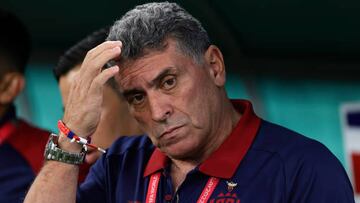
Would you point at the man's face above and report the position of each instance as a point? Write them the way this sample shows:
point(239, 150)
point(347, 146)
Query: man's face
point(173, 99)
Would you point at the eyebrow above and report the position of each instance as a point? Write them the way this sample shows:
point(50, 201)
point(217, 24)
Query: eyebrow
point(161, 75)
point(130, 92)
point(156, 80)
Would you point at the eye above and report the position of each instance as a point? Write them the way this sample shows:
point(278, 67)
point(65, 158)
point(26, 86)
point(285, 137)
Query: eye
point(136, 99)
point(169, 82)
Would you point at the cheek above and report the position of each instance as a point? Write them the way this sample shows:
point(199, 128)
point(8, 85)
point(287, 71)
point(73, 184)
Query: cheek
point(147, 127)
point(194, 102)
point(139, 119)
point(143, 120)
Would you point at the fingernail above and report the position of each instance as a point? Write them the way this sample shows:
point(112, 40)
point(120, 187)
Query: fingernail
point(116, 48)
point(118, 42)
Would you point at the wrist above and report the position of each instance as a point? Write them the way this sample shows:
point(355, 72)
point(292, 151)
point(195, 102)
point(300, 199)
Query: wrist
point(70, 135)
point(65, 144)
point(76, 125)
point(55, 153)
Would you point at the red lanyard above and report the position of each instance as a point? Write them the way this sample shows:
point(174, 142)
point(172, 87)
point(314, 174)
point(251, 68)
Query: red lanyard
point(153, 187)
point(204, 197)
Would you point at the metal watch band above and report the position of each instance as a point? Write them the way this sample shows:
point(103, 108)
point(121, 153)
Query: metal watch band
point(53, 152)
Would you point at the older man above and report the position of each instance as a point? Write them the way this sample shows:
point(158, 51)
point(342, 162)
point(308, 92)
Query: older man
point(200, 146)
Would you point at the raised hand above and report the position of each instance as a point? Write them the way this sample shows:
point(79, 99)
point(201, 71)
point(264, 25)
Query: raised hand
point(83, 107)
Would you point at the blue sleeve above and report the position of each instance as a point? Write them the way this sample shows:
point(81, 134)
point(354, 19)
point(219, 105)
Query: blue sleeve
point(318, 177)
point(16, 175)
point(93, 189)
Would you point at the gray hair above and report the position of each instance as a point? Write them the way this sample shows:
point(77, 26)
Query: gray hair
point(147, 26)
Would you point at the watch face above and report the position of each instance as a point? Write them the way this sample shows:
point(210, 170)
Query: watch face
point(53, 152)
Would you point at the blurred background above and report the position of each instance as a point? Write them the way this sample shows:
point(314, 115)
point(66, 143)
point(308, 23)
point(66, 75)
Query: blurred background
point(297, 61)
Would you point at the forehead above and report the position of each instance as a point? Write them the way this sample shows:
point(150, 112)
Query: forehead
point(145, 69)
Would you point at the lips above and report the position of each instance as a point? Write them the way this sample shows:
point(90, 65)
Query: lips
point(168, 132)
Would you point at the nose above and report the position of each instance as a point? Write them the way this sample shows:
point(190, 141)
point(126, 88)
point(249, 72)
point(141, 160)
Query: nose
point(160, 107)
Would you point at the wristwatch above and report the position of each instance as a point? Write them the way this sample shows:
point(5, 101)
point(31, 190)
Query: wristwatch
point(55, 153)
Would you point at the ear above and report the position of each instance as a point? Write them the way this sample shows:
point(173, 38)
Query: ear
point(11, 85)
point(215, 62)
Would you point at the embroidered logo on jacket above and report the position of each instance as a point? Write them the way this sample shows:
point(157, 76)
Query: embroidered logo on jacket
point(226, 198)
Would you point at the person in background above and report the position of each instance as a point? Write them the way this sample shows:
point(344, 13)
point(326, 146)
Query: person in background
point(199, 146)
point(21, 144)
point(115, 117)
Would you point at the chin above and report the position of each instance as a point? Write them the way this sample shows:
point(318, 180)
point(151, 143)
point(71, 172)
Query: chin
point(179, 151)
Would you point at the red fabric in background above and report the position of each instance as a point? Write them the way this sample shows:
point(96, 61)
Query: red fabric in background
point(356, 171)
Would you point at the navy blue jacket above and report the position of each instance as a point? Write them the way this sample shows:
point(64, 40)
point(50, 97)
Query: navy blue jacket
point(266, 162)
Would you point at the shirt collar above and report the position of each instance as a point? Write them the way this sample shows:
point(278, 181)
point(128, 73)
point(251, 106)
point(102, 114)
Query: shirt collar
point(224, 161)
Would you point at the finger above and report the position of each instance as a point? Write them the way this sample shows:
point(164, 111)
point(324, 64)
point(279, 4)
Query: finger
point(101, 47)
point(105, 57)
point(101, 79)
point(90, 58)
point(92, 68)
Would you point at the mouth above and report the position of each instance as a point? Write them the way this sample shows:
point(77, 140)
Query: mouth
point(169, 133)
